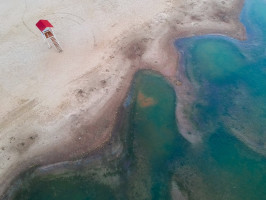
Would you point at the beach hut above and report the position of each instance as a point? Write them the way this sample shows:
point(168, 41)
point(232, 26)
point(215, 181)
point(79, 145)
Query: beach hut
point(48, 34)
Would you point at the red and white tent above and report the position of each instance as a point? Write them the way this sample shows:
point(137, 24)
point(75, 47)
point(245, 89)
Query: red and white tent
point(48, 34)
point(43, 24)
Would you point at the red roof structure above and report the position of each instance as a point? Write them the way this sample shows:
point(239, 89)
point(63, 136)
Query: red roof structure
point(43, 24)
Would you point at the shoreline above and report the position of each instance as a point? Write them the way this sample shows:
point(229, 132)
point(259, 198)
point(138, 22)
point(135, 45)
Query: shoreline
point(150, 49)
point(111, 149)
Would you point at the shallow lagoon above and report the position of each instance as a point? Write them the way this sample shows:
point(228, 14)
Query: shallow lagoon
point(144, 170)
point(229, 81)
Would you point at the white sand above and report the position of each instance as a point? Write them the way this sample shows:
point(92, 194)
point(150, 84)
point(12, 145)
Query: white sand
point(58, 106)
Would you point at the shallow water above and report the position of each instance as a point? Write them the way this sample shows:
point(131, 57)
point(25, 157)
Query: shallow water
point(155, 143)
point(152, 144)
point(67, 188)
point(229, 81)
point(229, 78)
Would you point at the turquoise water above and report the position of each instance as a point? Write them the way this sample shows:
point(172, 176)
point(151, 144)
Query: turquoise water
point(229, 111)
point(229, 81)
point(229, 78)
point(155, 142)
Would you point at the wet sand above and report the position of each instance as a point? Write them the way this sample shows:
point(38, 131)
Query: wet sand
point(80, 120)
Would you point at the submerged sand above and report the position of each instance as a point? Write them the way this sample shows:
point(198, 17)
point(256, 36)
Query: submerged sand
point(58, 107)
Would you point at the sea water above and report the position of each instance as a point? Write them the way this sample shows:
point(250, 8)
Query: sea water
point(229, 87)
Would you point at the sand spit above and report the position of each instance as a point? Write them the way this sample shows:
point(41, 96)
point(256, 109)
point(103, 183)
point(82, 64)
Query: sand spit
point(58, 107)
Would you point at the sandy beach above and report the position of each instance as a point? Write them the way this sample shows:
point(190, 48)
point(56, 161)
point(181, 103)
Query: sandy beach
point(62, 106)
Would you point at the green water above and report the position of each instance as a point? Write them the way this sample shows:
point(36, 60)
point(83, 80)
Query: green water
point(228, 78)
point(67, 188)
point(229, 82)
point(155, 143)
point(152, 145)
